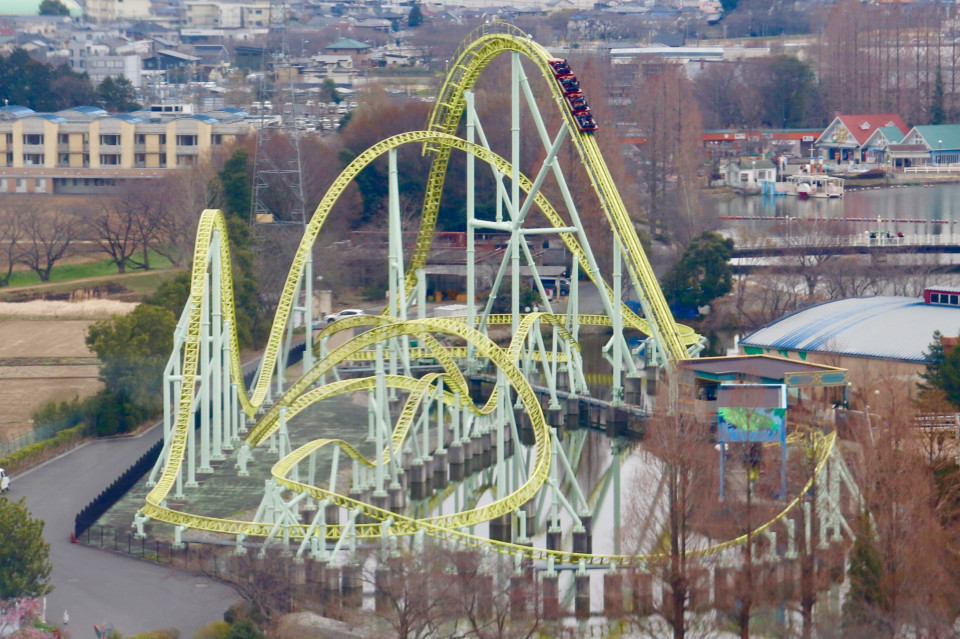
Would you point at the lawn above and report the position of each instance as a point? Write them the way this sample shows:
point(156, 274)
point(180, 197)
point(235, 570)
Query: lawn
point(83, 270)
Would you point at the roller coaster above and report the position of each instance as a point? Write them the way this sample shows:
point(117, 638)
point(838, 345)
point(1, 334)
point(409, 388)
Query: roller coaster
point(422, 425)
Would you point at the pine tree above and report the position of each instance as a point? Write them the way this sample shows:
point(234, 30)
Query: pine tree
point(863, 611)
point(415, 17)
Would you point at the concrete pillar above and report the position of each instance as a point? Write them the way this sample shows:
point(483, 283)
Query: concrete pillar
point(331, 587)
point(298, 573)
point(397, 498)
point(613, 595)
point(439, 470)
point(384, 592)
point(573, 412)
point(550, 586)
point(519, 597)
point(641, 585)
point(554, 539)
point(501, 528)
point(581, 601)
point(583, 540)
point(352, 586)
point(455, 462)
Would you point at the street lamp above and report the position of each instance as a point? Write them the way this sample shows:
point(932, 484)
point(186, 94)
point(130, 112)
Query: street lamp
point(939, 149)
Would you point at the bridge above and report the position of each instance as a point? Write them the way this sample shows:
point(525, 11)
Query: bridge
point(483, 450)
point(866, 242)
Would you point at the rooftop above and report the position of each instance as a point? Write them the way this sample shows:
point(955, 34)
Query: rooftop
point(897, 328)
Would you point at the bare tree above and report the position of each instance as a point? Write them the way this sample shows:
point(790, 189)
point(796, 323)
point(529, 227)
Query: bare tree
point(185, 194)
point(11, 237)
point(676, 523)
point(48, 238)
point(114, 230)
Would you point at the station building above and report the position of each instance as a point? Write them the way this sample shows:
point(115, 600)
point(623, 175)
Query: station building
point(85, 150)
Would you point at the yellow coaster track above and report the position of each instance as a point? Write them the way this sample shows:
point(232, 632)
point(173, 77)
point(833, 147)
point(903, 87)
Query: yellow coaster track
point(440, 139)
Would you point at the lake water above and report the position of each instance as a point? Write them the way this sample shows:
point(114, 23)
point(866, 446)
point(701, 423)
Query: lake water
point(907, 209)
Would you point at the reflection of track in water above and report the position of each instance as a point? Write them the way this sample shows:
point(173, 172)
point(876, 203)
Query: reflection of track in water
point(205, 381)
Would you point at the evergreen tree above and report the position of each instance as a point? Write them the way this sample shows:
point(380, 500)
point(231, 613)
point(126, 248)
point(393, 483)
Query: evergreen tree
point(863, 610)
point(133, 350)
point(702, 275)
point(53, 8)
point(24, 555)
point(415, 17)
point(937, 111)
point(236, 185)
point(942, 370)
point(117, 95)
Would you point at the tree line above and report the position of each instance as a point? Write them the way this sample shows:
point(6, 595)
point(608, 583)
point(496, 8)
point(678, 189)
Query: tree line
point(44, 87)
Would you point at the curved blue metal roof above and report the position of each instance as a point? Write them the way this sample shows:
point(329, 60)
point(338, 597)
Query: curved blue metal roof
point(91, 110)
point(52, 117)
point(16, 110)
point(125, 117)
point(199, 116)
point(898, 328)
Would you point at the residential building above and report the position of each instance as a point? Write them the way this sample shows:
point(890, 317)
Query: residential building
point(99, 63)
point(87, 150)
point(749, 174)
point(228, 15)
point(359, 51)
point(112, 10)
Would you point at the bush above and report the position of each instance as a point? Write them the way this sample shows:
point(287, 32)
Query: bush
point(35, 452)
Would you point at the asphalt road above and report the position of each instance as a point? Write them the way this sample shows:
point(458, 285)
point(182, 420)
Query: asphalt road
point(97, 586)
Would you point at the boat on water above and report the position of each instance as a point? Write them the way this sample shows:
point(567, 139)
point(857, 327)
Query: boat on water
point(864, 174)
point(804, 185)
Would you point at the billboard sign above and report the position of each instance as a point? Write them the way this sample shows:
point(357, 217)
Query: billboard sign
point(752, 412)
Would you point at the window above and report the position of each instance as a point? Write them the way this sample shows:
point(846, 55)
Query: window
point(109, 159)
point(140, 159)
point(186, 160)
point(33, 138)
point(934, 298)
point(33, 159)
point(110, 140)
point(163, 138)
point(141, 138)
point(217, 138)
point(954, 300)
point(186, 140)
point(63, 138)
point(64, 159)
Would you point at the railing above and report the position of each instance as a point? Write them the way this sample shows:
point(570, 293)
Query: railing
point(933, 168)
point(866, 239)
point(949, 422)
point(193, 557)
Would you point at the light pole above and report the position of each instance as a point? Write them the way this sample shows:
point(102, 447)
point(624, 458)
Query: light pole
point(939, 150)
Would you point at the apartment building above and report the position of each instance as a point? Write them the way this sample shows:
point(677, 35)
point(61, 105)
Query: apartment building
point(228, 15)
point(111, 10)
point(86, 150)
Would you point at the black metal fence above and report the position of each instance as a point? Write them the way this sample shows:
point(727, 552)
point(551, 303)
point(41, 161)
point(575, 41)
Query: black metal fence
point(112, 494)
point(194, 557)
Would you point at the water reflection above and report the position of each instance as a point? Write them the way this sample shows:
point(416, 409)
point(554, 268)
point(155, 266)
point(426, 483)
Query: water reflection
point(932, 209)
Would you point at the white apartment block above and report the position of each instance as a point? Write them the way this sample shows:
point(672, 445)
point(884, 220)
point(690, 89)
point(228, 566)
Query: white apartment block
point(228, 15)
point(97, 61)
point(110, 10)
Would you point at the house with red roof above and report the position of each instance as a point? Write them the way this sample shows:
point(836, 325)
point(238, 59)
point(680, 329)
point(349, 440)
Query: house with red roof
point(845, 140)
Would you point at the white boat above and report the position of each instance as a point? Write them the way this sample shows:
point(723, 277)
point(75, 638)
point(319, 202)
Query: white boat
point(804, 185)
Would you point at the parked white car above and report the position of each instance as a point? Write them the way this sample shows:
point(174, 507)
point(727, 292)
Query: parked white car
point(4, 481)
point(345, 313)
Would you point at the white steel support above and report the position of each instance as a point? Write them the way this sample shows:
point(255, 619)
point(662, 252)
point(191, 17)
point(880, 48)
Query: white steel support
point(216, 354)
point(471, 215)
point(204, 378)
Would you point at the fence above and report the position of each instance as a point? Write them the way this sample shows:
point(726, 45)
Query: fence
point(195, 557)
point(38, 434)
point(107, 498)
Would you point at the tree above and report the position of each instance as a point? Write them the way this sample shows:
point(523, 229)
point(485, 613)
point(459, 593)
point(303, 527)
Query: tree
point(11, 234)
point(863, 608)
point(117, 94)
point(24, 556)
point(48, 238)
point(785, 87)
point(942, 370)
point(133, 350)
point(53, 8)
point(415, 17)
point(702, 275)
point(113, 227)
point(937, 110)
